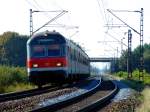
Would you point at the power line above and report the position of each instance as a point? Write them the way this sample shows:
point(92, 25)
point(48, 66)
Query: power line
point(101, 10)
point(53, 19)
point(37, 4)
point(116, 39)
point(122, 21)
point(104, 11)
point(32, 5)
point(46, 13)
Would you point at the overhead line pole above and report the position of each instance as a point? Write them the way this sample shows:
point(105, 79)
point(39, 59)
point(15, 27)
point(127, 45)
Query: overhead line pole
point(31, 23)
point(59, 15)
point(129, 61)
point(51, 20)
point(141, 75)
point(123, 22)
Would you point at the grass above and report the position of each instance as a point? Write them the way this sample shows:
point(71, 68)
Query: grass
point(145, 106)
point(18, 87)
point(134, 82)
point(13, 79)
point(143, 87)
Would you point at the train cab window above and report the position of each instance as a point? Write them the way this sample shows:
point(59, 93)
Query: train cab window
point(53, 50)
point(38, 51)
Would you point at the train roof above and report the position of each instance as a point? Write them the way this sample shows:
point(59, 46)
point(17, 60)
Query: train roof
point(45, 33)
point(49, 33)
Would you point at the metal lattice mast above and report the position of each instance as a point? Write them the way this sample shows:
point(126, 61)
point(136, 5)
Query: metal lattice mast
point(141, 75)
point(61, 13)
point(141, 64)
point(129, 59)
point(31, 23)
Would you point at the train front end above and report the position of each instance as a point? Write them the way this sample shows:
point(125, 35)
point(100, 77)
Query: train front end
point(46, 58)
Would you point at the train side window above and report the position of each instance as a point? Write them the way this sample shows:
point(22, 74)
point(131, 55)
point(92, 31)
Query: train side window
point(79, 57)
point(62, 50)
point(75, 55)
point(69, 51)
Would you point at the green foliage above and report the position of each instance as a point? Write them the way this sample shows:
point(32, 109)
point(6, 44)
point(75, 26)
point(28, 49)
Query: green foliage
point(122, 64)
point(18, 87)
point(123, 61)
point(13, 49)
point(121, 74)
point(147, 59)
point(134, 81)
point(10, 76)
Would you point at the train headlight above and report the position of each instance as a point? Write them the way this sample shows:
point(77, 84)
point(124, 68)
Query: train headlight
point(58, 64)
point(35, 65)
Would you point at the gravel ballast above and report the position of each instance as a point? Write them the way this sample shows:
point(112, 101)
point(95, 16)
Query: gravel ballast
point(30, 103)
point(105, 89)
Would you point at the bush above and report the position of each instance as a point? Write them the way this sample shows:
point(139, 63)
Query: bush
point(134, 82)
point(11, 76)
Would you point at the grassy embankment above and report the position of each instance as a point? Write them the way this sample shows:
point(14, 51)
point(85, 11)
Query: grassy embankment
point(142, 87)
point(13, 79)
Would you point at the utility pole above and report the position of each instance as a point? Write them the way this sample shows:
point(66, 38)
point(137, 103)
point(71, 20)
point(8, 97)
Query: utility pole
point(141, 74)
point(31, 23)
point(61, 13)
point(129, 59)
point(122, 45)
point(141, 64)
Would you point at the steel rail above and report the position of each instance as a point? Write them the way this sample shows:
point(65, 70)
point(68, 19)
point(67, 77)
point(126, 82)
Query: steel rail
point(27, 93)
point(100, 102)
point(56, 106)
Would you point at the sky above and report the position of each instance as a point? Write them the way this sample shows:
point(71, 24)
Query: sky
point(85, 22)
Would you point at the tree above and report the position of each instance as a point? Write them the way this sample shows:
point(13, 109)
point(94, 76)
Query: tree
point(122, 64)
point(147, 57)
point(136, 59)
point(13, 49)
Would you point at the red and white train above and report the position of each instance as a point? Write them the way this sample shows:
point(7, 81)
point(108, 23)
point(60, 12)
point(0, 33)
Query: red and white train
point(53, 58)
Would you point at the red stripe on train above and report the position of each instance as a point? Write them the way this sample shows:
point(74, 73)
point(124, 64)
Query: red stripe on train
point(47, 62)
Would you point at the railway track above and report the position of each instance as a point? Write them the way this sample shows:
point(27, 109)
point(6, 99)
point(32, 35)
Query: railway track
point(86, 91)
point(29, 103)
point(27, 93)
point(100, 98)
point(86, 102)
point(81, 97)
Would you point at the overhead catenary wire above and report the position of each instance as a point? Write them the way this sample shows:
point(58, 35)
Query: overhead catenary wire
point(122, 21)
point(104, 13)
point(104, 10)
point(53, 19)
point(101, 11)
point(46, 13)
point(116, 39)
point(31, 4)
point(37, 4)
